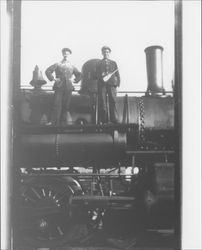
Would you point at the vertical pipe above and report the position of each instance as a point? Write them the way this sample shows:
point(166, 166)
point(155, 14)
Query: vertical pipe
point(16, 48)
point(96, 109)
point(10, 90)
point(127, 109)
point(133, 161)
point(15, 83)
point(178, 118)
point(108, 109)
point(124, 110)
point(6, 12)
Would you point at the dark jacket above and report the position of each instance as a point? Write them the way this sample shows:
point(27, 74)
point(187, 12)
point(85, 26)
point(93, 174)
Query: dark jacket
point(64, 72)
point(103, 68)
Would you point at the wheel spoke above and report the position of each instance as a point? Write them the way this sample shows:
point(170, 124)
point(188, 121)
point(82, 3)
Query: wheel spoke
point(43, 191)
point(36, 193)
point(61, 198)
point(28, 198)
point(50, 193)
point(60, 230)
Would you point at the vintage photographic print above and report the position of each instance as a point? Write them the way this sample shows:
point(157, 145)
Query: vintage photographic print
point(94, 125)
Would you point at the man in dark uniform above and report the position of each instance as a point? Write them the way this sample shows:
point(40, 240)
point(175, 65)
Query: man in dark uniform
point(64, 73)
point(108, 78)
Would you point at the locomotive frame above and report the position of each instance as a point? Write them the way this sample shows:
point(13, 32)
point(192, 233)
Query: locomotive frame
point(174, 154)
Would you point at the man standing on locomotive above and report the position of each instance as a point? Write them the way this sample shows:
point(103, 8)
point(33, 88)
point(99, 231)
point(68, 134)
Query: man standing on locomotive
point(65, 75)
point(108, 78)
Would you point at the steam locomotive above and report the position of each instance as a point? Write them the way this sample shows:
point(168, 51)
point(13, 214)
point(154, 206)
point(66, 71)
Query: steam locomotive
point(78, 178)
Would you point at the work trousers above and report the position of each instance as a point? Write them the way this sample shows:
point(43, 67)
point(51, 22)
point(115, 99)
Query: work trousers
point(104, 92)
point(61, 105)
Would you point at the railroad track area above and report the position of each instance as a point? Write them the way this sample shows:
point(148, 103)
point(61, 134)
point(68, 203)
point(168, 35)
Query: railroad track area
point(150, 240)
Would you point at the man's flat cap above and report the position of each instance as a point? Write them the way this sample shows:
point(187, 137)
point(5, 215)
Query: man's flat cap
point(106, 48)
point(66, 49)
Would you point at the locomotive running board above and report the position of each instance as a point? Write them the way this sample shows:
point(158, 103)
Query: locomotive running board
point(106, 201)
point(42, 129)
point(102, 198)
point(133, 152)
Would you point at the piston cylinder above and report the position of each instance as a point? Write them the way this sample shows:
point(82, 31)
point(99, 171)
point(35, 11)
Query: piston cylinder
point(154, 62)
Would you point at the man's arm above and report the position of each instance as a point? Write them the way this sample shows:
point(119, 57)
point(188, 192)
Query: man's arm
point(49, 72)
point(117, 75)
point(77, 74)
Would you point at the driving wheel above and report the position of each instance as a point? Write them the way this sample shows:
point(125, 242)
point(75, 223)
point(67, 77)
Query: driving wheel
point(45, 216)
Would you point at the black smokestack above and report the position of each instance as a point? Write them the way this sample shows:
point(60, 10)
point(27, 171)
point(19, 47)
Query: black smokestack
point(154, 62)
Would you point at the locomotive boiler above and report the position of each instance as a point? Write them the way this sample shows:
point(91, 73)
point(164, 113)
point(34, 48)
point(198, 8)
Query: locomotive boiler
point(74, 178)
